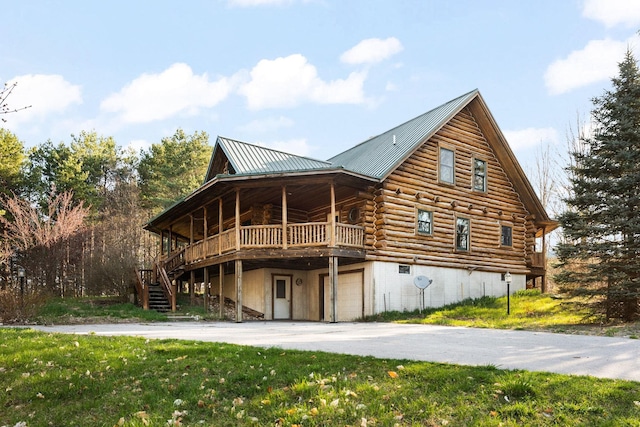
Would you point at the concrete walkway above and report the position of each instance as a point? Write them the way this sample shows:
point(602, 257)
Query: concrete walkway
point(534, 351)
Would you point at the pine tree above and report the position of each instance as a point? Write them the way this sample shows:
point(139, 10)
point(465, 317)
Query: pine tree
point(600, 254)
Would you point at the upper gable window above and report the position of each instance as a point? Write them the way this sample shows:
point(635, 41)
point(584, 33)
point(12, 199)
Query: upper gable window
point(479, 175)
point(447, 161)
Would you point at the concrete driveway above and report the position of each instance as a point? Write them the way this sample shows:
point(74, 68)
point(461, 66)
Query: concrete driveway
point(603, 357)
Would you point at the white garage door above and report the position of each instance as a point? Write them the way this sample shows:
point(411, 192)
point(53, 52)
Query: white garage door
point(350, 297)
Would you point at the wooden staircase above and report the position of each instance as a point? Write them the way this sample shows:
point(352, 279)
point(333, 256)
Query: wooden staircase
point(157, 299)
point(156, 288)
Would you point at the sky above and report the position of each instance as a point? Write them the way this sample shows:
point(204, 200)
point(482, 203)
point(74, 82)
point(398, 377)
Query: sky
point(310, 77)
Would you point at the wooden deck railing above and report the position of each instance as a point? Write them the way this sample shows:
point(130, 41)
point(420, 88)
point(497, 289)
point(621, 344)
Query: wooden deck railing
point(349, 235)
point(308, 234)
point(261, 236)
point(299, 235)
point(537, 260)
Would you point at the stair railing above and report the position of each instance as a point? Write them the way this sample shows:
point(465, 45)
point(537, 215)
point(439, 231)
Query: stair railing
point(174, 262)
point(142, 287)
point(166, 286)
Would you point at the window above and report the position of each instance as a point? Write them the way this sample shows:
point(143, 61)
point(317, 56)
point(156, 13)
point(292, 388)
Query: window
point(479, 175)
point(281, 288)
point(404, 269)
point(446, 166)
point(462, 234)
point(506, 236)
point(425, 222)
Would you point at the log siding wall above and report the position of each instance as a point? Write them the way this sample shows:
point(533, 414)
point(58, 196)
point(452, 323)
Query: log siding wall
point(391, 214)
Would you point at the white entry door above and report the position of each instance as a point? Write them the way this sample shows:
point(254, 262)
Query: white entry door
point(282, 297)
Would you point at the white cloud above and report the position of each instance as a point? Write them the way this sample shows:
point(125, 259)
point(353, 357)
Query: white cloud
point(299, 146)
point(269, 124)
point(174, 91)
point(598, 61)
point(530, 137)
point(371, 51)
point(292, 80)
point(46, 94)
point(613, 12)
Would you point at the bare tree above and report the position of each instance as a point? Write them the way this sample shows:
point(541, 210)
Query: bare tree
point(43, 242)
point(4, 105)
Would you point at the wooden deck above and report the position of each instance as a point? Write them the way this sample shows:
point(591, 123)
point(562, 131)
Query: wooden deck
point(297, 235)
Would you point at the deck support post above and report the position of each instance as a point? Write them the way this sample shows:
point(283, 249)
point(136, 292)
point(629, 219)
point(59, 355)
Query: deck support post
point(192, 285)
point(220, 293)
point(238, 291)
point(333, 288)
point(205, 274)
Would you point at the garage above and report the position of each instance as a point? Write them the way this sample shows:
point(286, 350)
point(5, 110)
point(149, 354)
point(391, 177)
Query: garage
point(350, 296)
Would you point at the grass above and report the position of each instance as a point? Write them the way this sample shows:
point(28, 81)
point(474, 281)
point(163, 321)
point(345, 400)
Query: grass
point(53, 379)
point(529, 310)
point(106, 309)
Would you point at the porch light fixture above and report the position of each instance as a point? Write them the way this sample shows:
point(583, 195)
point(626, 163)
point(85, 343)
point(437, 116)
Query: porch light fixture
point(507, 278)
point(21, 278)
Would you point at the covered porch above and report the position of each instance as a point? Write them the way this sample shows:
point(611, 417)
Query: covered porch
point(302, 224)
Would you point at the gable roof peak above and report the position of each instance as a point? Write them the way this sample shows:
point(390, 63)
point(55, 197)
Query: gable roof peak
point(380, 155)
point(246, 158)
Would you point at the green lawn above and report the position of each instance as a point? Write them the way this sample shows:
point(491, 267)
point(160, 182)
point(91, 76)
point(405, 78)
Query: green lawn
point(67, 380)
point(529, 310)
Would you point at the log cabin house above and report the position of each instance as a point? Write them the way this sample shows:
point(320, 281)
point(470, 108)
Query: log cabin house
point(290, 237)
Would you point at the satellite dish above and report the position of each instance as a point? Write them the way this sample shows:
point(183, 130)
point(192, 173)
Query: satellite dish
point(422, 282)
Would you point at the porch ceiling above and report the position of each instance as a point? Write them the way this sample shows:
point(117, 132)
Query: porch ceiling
point(304, 193)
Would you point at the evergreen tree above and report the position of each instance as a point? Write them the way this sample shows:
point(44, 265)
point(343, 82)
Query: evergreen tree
point(600, 255)
point(11, 162)
point(172, 169)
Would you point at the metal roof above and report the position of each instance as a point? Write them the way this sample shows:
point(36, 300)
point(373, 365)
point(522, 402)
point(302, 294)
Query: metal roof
point(380, 155)
point(251, 159)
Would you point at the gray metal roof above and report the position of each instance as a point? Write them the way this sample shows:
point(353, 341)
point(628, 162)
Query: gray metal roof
point(251, 159)
point(380, 155)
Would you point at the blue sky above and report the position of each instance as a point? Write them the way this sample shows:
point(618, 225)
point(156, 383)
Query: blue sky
point(312, 77)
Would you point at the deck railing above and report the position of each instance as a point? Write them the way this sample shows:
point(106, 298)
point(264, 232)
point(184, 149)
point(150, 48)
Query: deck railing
point(308, 234)
point(261, 236)
point(349, 235)
point(299, 235)
point(537, 260)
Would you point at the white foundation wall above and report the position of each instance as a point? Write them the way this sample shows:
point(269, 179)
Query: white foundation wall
point(394, 291)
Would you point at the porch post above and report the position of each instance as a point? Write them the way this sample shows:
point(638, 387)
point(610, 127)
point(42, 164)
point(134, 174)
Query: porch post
point(220, 294)
point(205, 225)
point(543, 285)
point(332, 241)
point(237, 219)
point(192, 282)
point(238, 291)
point(191, 229)
point(285, 240)
point(205, 274)
point(333, 288)
point(174, 295)
point(170, 245)
point(220, 227)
